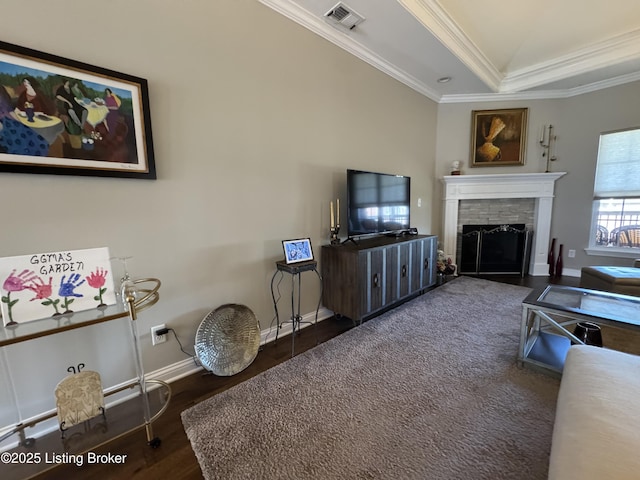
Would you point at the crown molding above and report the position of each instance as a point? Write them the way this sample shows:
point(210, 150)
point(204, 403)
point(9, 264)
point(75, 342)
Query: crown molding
point(342, 39)
point(542, 94)
point(603, 84)
point(510, 87)
point(435, 19)
point(619, 49)
point(502, 97)
point(613, 51)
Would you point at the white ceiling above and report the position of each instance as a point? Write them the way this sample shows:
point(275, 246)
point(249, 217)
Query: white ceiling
point(491, 49)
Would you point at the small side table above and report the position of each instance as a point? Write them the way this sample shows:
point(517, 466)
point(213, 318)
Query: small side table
point(295, 269)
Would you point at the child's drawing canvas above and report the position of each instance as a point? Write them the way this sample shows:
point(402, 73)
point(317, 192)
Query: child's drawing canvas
point(57, 283)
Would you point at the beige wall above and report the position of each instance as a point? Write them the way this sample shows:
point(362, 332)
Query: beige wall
point(255, 121)
point(578, 122)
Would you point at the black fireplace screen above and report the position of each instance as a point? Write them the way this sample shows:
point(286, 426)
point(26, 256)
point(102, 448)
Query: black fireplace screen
point(493, 249)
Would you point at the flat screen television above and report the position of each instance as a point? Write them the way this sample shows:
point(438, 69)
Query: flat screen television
point(377, 203)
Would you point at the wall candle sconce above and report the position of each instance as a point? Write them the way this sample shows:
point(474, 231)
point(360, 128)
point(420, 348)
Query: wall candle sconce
point(547, 138)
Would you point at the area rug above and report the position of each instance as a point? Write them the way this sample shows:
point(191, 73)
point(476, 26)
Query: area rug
point(429, 390)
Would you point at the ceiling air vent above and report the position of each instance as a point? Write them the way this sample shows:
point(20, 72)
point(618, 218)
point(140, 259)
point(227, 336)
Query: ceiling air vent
point(344, 16)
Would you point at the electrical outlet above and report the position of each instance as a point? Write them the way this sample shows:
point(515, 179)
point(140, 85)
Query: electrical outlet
point(157, 339)
point(572, 254)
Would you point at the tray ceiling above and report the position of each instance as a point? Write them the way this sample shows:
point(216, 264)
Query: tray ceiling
point(539, 49)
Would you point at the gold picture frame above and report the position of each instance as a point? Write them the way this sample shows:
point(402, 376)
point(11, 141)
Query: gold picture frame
point(498, 137)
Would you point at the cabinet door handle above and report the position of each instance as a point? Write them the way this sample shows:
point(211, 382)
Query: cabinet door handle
point(404, 270)
point(375, 279)
point(426, 263)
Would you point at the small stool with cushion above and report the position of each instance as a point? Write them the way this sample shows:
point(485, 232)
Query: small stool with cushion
point(624, 280)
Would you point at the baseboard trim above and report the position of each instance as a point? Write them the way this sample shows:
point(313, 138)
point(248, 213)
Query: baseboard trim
point(186, 367)
point(568, 272)
point(174, 372)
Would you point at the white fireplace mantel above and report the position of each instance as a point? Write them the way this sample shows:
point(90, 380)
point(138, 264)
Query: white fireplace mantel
point(539, 186)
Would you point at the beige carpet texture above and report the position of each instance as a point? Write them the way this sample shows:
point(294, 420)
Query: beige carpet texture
point(429, 390)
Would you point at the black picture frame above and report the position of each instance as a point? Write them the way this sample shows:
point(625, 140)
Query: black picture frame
point(65, 117)
point(297, 250)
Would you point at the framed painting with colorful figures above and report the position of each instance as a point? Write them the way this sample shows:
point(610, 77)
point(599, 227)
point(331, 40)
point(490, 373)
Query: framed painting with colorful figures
point(60, 116)
point(53, 284)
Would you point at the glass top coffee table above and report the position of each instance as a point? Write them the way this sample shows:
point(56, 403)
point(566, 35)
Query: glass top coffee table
point(544, 336)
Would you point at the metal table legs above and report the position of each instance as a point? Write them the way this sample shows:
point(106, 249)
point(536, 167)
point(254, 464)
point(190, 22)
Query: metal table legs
point(296, 318)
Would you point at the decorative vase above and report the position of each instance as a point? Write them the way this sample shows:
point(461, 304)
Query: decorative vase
point(551, 258)
point(87, 143)
point(589, 333)
point(75, 141)
point(558, 271)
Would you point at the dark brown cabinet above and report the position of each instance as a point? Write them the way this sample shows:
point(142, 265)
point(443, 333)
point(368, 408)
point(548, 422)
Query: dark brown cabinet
point(363, 278)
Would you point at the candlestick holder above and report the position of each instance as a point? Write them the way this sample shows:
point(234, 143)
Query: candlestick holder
point(334, 235)
point(547, 131)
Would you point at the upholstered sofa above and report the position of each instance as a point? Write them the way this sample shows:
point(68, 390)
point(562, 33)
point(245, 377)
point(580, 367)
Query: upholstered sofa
point(596, 433)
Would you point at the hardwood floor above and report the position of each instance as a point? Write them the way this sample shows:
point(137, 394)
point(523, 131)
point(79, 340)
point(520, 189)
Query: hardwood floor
point(174, 459)
point(534, 282)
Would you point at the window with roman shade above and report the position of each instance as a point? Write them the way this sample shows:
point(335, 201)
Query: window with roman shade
point(616, 206)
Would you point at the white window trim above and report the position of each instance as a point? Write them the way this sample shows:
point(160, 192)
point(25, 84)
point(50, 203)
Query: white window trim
point(613, 252)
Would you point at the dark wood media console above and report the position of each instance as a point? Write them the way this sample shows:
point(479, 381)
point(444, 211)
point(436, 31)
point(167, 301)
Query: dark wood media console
point(364, 278)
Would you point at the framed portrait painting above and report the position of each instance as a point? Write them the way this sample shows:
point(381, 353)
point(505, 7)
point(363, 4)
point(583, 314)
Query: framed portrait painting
point(60, 116)
point(498, 137)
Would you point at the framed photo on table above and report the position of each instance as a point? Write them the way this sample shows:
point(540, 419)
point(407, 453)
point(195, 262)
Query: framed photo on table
point(498, 137)
point(60, 116)
point(298, 250)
